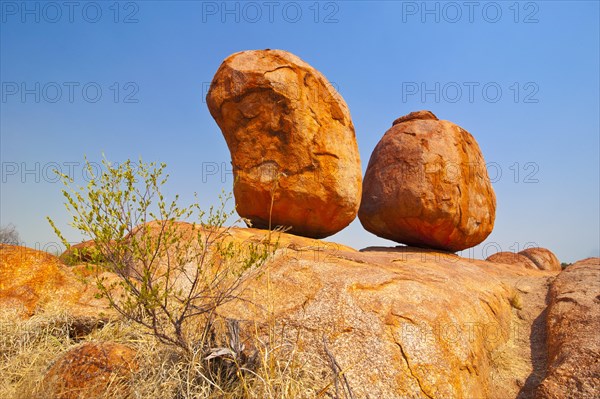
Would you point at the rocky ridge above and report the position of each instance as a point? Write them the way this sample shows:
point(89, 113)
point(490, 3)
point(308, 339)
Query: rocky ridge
point(400, 321)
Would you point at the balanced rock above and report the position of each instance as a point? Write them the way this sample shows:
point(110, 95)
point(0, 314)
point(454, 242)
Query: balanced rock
point(293, 148)
point(511, 258)
point(427, 185)
point(543, 258)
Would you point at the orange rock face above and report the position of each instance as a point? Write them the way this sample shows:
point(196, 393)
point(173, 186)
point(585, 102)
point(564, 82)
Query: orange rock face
point(90, 370)
point(401, 322)
point(511, 258)
point(31, 280)
point(427, 185)
point(543, 258)
point(573, 322)
point(293, 148)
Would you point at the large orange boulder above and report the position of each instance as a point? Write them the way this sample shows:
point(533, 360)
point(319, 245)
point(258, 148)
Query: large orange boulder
point(543, 258)
point(91, 370)
point(427, 185)
point(32, 281)
point(293, 148)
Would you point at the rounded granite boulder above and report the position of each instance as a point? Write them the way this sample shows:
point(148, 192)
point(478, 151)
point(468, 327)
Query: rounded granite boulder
point(427, 185)
point(293, 148)
point(543, 258)
point(511, 258)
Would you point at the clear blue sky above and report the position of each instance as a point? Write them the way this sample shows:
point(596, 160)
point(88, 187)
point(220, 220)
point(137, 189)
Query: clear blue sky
point(152, 62)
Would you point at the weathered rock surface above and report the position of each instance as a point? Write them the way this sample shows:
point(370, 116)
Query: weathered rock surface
point(91, 370)
point(294, 152)
point(31, 281)
point(543, 258)
point(400, 322)
point(427, 185)
point(512, 258)
point(573, 323)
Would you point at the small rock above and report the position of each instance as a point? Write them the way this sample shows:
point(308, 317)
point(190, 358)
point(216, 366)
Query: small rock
point(543, 258)
point(512, 258)
point(90, 370)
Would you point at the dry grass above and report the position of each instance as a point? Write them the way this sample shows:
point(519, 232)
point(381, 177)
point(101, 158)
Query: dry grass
point(26, 349)
point(270, 366)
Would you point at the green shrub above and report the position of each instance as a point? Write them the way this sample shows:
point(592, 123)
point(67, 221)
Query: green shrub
point(169, 273)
